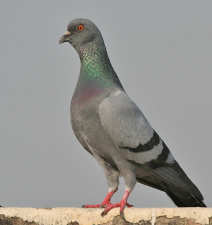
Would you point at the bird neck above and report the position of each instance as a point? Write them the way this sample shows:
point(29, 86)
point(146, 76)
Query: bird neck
point(96, 67)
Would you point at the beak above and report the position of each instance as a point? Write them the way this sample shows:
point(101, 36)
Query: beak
point(65, 37)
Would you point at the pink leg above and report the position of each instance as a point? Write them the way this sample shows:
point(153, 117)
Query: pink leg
point(121, 204)
point(105, 203)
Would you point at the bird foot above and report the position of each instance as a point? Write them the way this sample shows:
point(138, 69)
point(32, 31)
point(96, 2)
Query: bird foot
point(106, 203)
point(121, 204)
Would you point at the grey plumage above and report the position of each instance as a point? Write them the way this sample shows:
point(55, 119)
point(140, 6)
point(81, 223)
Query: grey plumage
point(112, 128)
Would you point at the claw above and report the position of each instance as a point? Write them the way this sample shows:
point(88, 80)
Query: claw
point(122, 214)
point(103, 206)
point(103, 213)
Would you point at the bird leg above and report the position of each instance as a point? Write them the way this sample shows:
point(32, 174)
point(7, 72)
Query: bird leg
point(105, 203)
point(121, 204)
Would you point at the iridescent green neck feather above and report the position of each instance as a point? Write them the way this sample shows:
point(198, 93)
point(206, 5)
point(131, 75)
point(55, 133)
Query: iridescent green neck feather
point(96, 69)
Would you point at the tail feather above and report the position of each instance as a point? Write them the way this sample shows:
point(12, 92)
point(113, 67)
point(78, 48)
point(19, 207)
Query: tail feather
point(188, 200)
point(182, 198)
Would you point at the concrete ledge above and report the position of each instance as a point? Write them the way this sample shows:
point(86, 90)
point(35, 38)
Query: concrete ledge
point(78, 216)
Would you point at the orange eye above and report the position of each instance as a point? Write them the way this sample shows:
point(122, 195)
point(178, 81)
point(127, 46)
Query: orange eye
point(80, 27)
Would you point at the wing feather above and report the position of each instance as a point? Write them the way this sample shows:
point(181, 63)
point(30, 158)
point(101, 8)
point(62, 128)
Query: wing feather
point(129, 129)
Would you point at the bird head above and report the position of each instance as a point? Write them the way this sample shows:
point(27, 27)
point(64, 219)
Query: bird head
point(80, 32)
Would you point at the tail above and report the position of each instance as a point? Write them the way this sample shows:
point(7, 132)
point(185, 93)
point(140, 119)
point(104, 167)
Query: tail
point(180, 197)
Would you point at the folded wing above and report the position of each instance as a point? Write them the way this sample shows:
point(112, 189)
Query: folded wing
point(137, 141)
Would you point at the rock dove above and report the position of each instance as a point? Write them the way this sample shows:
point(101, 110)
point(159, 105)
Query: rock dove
point(111, 127)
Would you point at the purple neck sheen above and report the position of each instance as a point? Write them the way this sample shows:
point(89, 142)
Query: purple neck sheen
point(84, 95)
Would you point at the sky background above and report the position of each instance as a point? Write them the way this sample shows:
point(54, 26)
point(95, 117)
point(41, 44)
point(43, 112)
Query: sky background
point(162, 53)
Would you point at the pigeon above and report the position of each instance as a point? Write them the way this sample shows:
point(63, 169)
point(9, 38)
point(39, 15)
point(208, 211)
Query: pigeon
point(112, 128)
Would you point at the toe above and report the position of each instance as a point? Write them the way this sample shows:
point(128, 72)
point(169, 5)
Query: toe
point(128, 205)
point(91, 206)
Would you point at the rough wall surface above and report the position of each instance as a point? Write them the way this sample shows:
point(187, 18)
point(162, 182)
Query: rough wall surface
point(78, 216)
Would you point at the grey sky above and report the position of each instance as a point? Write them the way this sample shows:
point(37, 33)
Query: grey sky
point(161, 51)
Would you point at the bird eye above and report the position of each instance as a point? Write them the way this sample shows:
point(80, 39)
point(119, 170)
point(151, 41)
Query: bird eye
point(80, 27)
